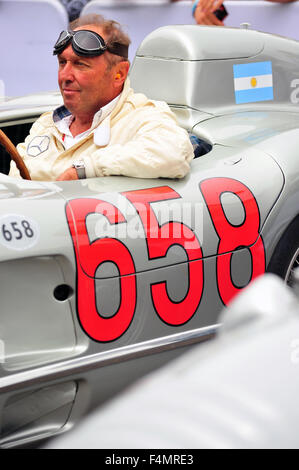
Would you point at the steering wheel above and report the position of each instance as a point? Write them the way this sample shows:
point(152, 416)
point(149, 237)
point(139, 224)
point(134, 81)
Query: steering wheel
point(11, 149)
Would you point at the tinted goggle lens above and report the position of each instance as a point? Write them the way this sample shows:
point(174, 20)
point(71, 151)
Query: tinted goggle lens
point(62, 40)
point(88, 41)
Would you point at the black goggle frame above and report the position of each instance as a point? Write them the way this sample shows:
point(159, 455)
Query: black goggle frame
point(82, 36)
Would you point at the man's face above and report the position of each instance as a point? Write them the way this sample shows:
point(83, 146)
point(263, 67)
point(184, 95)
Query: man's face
point(86, 83)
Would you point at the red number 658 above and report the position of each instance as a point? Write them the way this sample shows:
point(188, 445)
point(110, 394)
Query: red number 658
point(159, 239)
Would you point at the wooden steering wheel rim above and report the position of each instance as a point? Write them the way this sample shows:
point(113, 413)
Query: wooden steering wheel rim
point(16, 157)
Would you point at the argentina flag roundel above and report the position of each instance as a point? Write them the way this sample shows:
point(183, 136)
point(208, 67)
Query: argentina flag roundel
point(253, 82)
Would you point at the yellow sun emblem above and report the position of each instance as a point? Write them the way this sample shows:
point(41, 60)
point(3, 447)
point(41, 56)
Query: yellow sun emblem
point(253, 82)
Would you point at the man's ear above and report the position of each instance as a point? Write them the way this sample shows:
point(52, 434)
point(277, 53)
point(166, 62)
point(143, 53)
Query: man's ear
point(121, 72)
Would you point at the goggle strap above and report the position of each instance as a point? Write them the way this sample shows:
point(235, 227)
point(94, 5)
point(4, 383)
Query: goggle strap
point(118, 49)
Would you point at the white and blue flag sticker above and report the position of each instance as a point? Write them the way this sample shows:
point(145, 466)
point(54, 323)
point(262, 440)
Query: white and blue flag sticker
point(253, 82)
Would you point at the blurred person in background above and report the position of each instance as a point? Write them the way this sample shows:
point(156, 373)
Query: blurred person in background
point(73, 7)
point(213, 12)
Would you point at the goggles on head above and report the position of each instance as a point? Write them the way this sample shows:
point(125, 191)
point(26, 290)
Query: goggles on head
point(87, 43)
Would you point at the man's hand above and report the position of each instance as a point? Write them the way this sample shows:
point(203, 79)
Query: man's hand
point(206, 18)
point(69, 174)
point(208, 6)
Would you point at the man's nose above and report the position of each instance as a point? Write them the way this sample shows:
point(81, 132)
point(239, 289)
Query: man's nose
point(66, 73)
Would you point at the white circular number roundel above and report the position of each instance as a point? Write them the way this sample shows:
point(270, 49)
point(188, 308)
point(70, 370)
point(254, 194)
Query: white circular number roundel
point(18, 232)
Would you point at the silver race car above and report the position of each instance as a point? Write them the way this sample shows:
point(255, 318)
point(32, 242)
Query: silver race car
point(106, 279)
